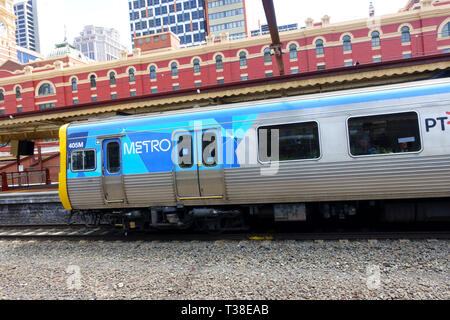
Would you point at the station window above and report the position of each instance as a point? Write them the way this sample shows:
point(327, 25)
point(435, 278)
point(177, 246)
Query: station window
point(152, 72)
point(347, 43)
point(293, 52)
point(196, 66)
point(384, 134)
point(112, 78)
point(267, 56)
point(131, 77)
point(83, 160)
point(375, 39)
point(93, 81)
point(319, 47)
point(174, 69)
point(45, 89)
point(74, 84)
point(219, 62)
point(243, 59)
point(296, 141)
point(406, 36)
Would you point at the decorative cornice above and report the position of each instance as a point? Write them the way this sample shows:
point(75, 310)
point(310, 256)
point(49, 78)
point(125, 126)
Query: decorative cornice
point(158, 56)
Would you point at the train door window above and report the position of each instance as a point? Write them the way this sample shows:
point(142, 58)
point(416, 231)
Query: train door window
point(384, 134)
point(295, 141)
point(209, 148)
point(113, 157)
point(184, 150)
point(83, 160)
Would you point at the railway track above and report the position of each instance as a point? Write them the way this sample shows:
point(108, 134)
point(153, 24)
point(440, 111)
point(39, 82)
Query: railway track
point(108, 233)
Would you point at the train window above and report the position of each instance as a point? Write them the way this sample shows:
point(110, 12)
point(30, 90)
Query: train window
point(296, 141)
point(384, 134)
point(209, 149)
point(113, 157)
point(184, 149)
point(83, 160)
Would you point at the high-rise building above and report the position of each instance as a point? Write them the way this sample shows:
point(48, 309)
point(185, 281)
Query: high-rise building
point(264, 29)
point(98, 43)
point(27, 28)
point(7, 30)
point(227, 16)
point(186, 19)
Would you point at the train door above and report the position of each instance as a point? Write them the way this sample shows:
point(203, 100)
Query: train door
point(198, 166)
point(112, 171)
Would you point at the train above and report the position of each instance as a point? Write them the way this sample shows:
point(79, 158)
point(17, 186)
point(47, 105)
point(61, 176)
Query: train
point(383, 150)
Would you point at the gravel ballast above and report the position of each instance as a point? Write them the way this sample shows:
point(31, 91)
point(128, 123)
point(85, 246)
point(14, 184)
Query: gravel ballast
point(384, 269)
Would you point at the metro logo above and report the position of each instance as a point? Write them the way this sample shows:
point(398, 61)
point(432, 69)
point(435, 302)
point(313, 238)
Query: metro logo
point(139, 147)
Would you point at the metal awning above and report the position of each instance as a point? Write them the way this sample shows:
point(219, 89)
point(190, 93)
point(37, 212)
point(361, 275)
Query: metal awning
point(45, 124)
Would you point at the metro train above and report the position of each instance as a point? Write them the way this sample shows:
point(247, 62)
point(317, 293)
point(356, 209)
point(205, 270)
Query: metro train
point(313, 157)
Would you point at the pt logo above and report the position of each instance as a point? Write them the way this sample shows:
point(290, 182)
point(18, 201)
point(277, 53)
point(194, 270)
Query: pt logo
point(439, 122)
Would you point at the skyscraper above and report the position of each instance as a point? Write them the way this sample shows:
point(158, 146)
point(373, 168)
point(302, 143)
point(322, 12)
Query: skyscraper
point(98, 43)
point(27, 28)
point(7, 30)
point(227, 16)
point(186, 19)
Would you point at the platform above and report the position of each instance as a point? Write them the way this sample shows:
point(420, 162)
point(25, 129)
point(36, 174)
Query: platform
point(32, 207)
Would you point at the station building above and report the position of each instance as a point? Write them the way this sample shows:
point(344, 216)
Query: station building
point(159, 64)
point(27, 25)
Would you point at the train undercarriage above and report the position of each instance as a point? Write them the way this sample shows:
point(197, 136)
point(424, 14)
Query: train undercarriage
point(244, 217)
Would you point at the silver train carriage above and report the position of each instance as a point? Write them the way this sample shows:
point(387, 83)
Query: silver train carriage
point(335, 154)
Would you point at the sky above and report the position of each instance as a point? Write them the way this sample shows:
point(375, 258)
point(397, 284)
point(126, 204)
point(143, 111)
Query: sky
point(55, 16)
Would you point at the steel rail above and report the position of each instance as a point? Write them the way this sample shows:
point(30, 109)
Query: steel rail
point(79, 232)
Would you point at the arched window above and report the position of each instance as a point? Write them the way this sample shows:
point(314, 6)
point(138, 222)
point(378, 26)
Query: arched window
point(267, 55)
point(18, 94)
point(152, 72)
point(242, 59)
point(196, 66)
point(219, 62)
point(2, 95)
point(375, 39)
point(131, 77)
point(93, 82)
point(174, 68)
point(319, 47)
point(74, 84)
point(112, 78)
point(293, 51)
point(45, 89)
point(347, 43)
point(406, 37)
point(446, 30)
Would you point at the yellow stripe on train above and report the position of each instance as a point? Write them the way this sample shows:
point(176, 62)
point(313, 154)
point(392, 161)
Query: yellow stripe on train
point(63, 194)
